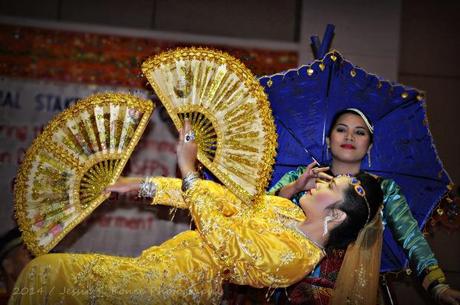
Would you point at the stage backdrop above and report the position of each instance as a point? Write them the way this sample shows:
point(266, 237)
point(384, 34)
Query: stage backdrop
point(45, 70)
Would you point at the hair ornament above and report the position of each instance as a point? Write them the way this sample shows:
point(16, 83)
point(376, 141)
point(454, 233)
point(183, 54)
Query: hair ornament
point(364, 117)
point(359, 190)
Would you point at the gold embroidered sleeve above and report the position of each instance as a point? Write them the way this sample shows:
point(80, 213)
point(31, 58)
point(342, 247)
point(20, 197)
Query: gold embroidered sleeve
point(215, 198)
point(168, 192)
point(252, 242)
point(213, 208)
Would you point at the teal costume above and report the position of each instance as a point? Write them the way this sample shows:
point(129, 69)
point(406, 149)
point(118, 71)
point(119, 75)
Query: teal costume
point(317, 288)
point(396, 216)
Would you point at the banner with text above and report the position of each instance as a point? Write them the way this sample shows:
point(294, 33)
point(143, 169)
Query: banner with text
point(120, 226)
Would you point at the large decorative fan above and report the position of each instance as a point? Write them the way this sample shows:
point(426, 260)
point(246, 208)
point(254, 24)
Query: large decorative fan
point(65, 171)
point(229, 112)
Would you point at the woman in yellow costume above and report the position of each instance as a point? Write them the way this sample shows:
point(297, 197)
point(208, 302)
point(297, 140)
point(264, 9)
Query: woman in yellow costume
point(270, 243)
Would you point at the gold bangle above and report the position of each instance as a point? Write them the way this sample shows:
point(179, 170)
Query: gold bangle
point(434, 273)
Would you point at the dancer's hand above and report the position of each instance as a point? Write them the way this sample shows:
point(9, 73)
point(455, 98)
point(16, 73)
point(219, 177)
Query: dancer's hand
point(449, 296)
point(308, 179)
point(125, 185)
point(186, 149)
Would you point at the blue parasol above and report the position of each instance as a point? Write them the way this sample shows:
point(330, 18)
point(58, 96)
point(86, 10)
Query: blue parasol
point(304, 100)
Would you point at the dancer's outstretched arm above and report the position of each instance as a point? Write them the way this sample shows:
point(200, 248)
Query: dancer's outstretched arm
point(167, 191)
point(164, 190)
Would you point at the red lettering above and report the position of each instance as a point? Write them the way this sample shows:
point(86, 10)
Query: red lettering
point(160, 146)
point(167, 146)
point(5, 157)
point(149, 222)
point(134, 223)
point(104, 221)
point(21, 133)
point(149, 167)
point(18, 132)
point(120, 221)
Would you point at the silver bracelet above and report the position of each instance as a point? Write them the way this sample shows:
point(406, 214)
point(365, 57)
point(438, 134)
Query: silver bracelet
point(189, 180)
point(147, 189)
point(438, 290)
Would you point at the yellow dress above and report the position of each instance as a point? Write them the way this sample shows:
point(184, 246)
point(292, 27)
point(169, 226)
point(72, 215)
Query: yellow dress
point(257, 245)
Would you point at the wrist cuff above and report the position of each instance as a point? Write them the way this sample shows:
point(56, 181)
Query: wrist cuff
point(147, 189)
point(433, 276)
point(189, 180)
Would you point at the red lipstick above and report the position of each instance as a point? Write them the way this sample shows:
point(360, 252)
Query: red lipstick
point(347, 146)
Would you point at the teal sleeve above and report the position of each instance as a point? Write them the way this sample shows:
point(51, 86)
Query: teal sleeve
point(285, 180)
point(404, 227)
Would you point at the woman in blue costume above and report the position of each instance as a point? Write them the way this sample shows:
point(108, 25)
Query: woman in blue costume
point(349, 140)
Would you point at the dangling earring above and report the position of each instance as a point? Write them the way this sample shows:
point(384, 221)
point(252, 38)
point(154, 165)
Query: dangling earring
point(327, 219)
point(327, 152)
point(369, 162)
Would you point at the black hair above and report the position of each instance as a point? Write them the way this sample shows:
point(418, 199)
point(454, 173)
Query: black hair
point(345, 111)
point(354, 205)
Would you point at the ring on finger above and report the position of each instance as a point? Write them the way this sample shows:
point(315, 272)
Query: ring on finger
point(189, 136)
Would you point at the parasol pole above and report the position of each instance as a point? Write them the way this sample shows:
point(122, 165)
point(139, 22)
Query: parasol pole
point(315, 46)
point(386, 290)
point(299, 142)
point(321, 48)
point(327, 40)
point(319, 53)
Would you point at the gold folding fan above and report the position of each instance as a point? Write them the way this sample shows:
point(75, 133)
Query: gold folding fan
point(79, 153)
point(229, 113)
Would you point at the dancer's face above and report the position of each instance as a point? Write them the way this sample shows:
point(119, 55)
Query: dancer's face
point(325, 197)
point(350, 139)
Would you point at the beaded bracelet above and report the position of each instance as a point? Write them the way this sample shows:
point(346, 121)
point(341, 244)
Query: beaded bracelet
point(147, 189)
